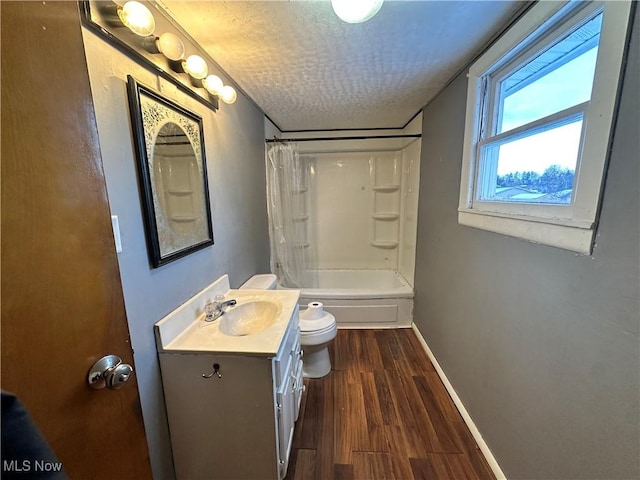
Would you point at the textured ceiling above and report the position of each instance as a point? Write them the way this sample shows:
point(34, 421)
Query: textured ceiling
point(308, 70)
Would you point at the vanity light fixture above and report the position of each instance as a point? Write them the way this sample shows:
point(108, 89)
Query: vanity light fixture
point(356, 11)
point(137, 18)
point(140, 21)
point(195, 66)
point(213, 84)
point(228, 94)
point(171, 46)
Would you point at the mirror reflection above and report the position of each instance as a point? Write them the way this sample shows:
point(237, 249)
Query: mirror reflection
point(178, 183)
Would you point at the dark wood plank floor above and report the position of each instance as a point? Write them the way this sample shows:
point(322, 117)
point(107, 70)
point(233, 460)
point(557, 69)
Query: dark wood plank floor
point(382, 413)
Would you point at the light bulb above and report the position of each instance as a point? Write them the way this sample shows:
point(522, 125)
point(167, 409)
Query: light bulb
point(195, 66)
point(170, 46)
point(356, 11)
point(213, 84)
point(228, 94)
point(137, 18)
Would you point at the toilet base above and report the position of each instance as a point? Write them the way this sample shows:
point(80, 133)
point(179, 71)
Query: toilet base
point(316, 363)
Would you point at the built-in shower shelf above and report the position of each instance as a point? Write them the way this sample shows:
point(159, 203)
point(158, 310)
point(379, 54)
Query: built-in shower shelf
point(385, 202)
point(180, 192)
point(300, 218)
point(384, 244)
point(386, 188)
point(386, 216)
point(182, 218)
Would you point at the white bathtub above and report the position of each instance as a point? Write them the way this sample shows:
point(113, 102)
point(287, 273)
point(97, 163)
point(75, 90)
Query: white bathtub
point(361, 298)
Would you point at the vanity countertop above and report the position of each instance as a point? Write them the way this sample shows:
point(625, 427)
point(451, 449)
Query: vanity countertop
point(186, 331)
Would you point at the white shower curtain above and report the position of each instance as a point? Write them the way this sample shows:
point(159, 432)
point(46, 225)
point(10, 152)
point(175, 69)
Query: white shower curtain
point(286, 182)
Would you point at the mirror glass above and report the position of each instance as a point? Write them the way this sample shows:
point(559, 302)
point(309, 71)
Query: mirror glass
point(178, 188)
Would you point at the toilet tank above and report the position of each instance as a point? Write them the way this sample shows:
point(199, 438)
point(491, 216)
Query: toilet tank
point(266, 281)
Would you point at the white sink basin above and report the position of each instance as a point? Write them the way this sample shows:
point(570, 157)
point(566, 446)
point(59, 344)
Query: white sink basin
point(255, 326)
point(249, 318)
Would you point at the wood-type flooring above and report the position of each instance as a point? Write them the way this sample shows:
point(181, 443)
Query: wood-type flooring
point(382, 413)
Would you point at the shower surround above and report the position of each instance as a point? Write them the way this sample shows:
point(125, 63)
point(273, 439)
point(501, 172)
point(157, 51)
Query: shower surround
point(357, 211)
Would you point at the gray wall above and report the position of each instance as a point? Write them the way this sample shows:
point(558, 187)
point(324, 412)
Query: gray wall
point(234, 144)
point(541, 345)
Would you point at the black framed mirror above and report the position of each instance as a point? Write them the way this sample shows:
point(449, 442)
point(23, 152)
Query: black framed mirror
point(172, 170)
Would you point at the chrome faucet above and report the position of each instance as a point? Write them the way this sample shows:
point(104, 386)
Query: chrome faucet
point(214, 310)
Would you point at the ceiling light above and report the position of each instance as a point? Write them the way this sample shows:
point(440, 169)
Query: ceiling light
point(228, 94)
point(356, 11)
point(195, 66)
point(137, 18)
point(213, 84)
point(171, 46)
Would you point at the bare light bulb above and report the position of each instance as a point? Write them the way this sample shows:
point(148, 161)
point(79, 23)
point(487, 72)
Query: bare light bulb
point(213, 84)
point(195, 66)
point(171, 46)
point(356, 11)
point(137, 18)
point(228, 94)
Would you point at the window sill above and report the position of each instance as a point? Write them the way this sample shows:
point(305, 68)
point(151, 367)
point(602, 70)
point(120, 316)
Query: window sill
point(536, 230)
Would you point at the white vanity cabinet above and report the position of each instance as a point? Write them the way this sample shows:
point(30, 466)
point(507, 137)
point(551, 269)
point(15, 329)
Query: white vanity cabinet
point(232, 415)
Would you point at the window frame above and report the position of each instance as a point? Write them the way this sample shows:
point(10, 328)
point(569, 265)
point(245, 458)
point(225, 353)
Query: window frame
point(570, 226)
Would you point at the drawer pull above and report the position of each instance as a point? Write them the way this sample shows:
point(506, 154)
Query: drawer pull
point(216, 370)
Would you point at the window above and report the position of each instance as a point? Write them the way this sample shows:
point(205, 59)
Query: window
point(540, 105)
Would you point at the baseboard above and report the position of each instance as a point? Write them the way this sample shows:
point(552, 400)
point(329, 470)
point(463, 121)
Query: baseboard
point(493, 464)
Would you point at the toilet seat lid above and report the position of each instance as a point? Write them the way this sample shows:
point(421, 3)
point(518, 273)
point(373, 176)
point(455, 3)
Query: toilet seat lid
point(315, 326)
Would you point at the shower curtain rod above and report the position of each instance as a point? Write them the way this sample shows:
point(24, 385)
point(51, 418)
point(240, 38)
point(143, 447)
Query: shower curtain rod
point(312, 139)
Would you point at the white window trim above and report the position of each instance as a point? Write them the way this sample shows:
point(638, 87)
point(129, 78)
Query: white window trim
point(569, 228)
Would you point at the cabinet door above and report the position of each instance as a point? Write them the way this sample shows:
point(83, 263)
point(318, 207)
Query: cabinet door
point(286, 420)
point(296, 372)
point(298, 389)
point(221, 427)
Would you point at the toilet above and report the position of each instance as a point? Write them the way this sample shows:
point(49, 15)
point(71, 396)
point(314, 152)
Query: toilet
point(317, 329)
